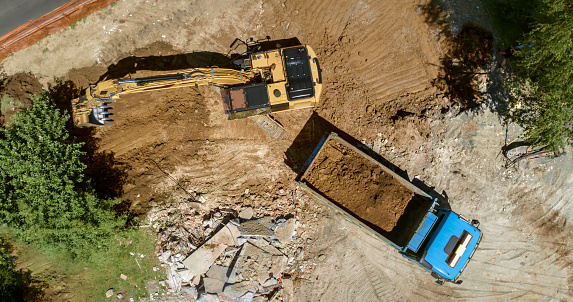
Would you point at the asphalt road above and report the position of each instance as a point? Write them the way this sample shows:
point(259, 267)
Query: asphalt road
point(14, 13)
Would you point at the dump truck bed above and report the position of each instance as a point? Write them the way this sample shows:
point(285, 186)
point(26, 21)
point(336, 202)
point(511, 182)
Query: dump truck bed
point(364, 190)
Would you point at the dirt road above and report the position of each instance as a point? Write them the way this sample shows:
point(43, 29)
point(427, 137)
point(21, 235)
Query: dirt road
point(379, 60)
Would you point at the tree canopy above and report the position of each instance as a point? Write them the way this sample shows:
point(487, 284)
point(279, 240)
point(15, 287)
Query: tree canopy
point(542, 93)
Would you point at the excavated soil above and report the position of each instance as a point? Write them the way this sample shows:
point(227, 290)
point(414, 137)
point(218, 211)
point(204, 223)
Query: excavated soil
point(359, 186)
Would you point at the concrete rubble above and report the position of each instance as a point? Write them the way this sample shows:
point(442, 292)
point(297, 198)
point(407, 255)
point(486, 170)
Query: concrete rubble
point(230, 255)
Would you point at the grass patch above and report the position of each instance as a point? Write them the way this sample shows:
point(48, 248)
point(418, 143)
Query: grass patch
point(83, 20)
point(113, 4)
point(89, 280)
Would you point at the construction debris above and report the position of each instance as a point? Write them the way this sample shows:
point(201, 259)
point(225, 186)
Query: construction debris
point(240, 258)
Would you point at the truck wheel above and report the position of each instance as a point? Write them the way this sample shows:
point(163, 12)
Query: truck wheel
point(475, 223)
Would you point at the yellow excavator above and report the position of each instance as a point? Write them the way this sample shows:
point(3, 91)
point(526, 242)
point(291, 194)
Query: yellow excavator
point(262, 82)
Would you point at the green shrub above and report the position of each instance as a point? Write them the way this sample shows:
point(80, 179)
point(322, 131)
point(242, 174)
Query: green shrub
point(44, 197)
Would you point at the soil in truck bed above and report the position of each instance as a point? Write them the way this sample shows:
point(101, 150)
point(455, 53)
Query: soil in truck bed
point(363, 188)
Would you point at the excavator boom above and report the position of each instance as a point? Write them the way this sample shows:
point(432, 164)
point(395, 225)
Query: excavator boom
point(268, 81)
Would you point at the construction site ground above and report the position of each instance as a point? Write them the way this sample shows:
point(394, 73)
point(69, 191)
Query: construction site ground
point(381, 64)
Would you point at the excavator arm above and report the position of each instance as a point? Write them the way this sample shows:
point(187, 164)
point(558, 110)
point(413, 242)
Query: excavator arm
point(269, 81)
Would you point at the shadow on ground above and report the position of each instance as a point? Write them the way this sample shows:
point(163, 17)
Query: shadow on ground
point(468, 55)
point(18, 285)
point(131, 65)
point(172, 63)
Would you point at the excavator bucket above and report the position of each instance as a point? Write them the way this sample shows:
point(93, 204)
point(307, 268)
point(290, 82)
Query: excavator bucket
point(86, 113)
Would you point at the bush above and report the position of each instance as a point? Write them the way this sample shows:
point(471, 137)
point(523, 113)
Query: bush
point(544, 85)
point(43, 195)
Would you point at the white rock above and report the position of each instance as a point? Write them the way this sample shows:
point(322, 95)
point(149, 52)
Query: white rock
point(208, 298)
point(246, 213)
point(185, 275)
point(165, 256)
point(201, 259)
point(109, 293)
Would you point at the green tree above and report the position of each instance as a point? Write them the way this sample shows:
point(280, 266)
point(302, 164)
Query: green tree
point(543, 90)
point(43, 195)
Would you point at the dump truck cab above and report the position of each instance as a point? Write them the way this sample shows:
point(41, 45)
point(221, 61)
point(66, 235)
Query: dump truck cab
point(444, 244)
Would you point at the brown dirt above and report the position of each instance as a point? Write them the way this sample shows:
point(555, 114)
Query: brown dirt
point(361, 187)
point(19, 86)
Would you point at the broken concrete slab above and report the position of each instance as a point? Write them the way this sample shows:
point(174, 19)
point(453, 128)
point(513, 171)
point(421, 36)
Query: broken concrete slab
point(213, 286)
point(227, 235)
point(196, 280)
point(236, 290)
point(185, 275)
point(255, 228)
point(202, 258)
point(256, 263)
point(284, 231)
point(218, 272)
point(248, 297)
point(270, 282)
point(288, 287)
point(189, 291)
point(122, 276)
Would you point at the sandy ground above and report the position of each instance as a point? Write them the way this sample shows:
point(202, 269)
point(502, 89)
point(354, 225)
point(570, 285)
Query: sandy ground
point(379, 60)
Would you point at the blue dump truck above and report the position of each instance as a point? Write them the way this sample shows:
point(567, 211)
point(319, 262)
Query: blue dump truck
point(437, 239)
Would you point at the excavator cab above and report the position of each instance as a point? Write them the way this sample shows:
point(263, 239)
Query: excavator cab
point(295, 82)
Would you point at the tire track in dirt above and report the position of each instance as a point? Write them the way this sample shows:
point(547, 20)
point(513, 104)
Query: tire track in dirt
point(383, 38)
point(360, 262)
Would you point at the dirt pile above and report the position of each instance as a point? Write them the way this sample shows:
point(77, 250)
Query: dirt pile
point(15, 93)
point(358, 185)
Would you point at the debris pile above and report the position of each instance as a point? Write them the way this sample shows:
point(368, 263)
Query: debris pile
point(228, 255)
